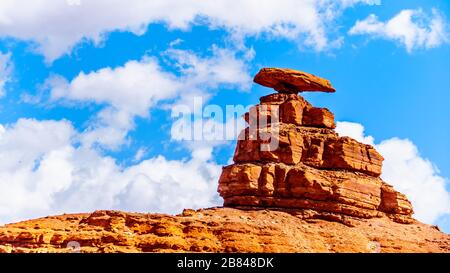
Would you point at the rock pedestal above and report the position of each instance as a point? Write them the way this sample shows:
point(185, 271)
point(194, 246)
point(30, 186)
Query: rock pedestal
point(313, 192)
point(310, 168)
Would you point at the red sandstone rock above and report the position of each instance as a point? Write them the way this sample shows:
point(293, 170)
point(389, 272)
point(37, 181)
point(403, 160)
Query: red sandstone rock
point(291, 81)
point(292, 112)
point(394, 202)
point(279, 98)
point(318, 117)
point(310, 168)
point(319, 148)
point(347, 153)
point(240, 180)
point(304, 187)
point(315, 192)
point(289, 109)
point(250, 149)
point(220, 230)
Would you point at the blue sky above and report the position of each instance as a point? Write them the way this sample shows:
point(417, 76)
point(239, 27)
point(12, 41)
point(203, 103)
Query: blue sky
point(67, 80)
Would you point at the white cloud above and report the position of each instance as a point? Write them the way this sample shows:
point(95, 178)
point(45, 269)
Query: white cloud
point(354, 130)
point(48, 167)
point(409, 173)
point(417, 177)
point(43, 172)
point(56, 26)
point(412, 28)
point(5, 71)
point(140, 154)
point(133, 89)
point(349, 3)
point(127, 91)
point(223, 68)
point(44, 169)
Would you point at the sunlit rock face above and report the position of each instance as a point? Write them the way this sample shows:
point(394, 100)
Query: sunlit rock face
point(308, 166)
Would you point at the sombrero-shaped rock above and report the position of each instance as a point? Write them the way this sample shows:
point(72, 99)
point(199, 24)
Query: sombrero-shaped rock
point(290, 81)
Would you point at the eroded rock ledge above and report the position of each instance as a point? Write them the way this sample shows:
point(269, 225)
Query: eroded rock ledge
point(312, 167)
point(219, 230)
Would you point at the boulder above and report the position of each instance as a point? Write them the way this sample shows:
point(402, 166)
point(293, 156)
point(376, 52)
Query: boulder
point(291, 81)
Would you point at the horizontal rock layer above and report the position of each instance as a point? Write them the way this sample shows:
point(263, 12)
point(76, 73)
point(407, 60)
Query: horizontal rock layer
point(316, 147)
point(289, 109)
point(303, 133)
point(290, 157)
point(285, 186)
point(219, 230)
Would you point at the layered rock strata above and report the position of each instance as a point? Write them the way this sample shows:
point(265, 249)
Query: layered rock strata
point(315, 192)
point(311, 167)
point(217, 230)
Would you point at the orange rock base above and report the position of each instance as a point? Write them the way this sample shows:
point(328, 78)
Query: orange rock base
point(219, 230)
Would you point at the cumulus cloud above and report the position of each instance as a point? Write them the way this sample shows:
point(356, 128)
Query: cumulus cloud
point(133, 89)
point(57, 26)
point(127, 91)
point(49, 167)
point(5, 71)
point(414, 29)
point(43, 171)
point(354, 130)
point(222, 68)
point(408, 172)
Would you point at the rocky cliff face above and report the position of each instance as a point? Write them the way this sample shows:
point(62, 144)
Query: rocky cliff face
point(310, 166)
point(295, 186)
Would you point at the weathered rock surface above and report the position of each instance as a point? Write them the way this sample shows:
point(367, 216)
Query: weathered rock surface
point(304, 134)
point(313, 192)
point(290, 157)
point(347, 195)
point(219, 230)
point(286, 80)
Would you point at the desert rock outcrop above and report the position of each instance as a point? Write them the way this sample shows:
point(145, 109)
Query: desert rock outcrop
point(295, 186)
point(311, 166)
point(217, 230)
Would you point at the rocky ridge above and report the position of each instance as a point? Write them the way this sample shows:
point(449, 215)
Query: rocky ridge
point(217, 230)
point(295, 186)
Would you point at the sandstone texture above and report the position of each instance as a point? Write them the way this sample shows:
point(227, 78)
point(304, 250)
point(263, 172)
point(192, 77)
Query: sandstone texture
point(286, 80)
point(311, 167)
point(218, 230)
point(295, 186)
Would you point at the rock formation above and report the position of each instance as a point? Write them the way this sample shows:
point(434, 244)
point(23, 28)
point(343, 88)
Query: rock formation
point(310, 167)
point(216, 230)
point(295, 186)
point(286, 80)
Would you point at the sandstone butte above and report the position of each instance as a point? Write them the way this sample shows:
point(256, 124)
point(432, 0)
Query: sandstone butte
point(316, 192)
